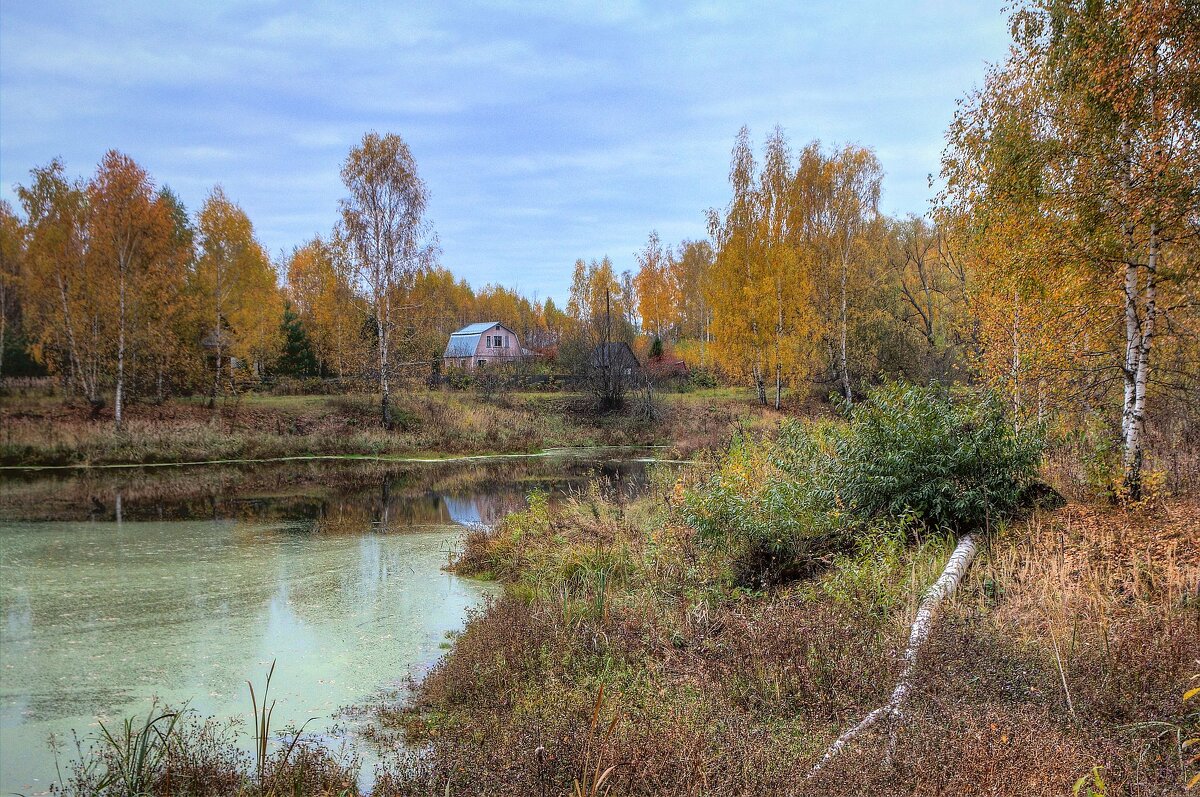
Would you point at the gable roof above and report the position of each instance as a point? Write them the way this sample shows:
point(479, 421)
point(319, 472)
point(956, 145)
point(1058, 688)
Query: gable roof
point(614, 353)
point(465, 341)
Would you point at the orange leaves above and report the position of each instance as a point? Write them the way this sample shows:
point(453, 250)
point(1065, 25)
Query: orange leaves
point(239, 294)
point(656, 295)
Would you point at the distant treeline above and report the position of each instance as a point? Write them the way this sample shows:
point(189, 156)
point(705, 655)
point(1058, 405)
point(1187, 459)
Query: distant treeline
point(1059, 265)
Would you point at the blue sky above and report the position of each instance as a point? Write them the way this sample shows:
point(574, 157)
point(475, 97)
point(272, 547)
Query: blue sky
point(546, 131)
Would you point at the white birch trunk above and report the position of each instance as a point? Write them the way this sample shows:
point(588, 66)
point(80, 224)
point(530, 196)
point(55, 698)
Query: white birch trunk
point(845, 333)
point(1135, 432)
point(118, 399)
point(943, 588)
point(1132, 340)
point(778, 337)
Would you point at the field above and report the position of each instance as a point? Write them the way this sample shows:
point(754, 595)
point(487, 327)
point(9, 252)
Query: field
point(41, 430)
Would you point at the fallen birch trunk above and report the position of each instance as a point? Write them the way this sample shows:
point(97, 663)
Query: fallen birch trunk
point(943, 588)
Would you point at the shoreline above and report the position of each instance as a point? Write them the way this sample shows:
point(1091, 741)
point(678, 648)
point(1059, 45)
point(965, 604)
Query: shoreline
point(382, 458)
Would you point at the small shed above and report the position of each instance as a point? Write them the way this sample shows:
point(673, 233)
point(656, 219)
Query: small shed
point(482, 344)
point(219, 340)
point(615, 354)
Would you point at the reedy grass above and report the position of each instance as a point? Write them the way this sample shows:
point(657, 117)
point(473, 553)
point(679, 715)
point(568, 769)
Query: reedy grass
point(137, 754)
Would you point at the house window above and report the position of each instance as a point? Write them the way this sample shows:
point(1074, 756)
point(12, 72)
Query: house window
point(481, 362)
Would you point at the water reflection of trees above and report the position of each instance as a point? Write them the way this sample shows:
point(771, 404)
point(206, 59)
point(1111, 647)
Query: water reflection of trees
point(336, 497)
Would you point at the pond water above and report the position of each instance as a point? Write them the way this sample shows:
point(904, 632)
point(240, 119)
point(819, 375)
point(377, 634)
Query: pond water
point(117, 588)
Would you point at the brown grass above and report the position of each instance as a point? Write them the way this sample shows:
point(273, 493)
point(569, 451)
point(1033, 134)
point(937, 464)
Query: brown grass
point(719, 692)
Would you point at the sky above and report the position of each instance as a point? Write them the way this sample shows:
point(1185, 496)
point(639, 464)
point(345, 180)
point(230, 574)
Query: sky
point(545, 131)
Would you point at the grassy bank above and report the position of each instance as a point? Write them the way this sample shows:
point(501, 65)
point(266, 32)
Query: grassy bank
point(49, 431)
point(1068, 649)
point(715, 635)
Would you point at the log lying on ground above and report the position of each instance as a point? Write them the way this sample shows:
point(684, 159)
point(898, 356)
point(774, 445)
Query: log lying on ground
point(943, 588)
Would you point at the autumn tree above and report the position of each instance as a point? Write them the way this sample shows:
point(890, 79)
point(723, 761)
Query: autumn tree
point(238, 288)
point(129, 232)
point(173, 322)
point(319, 286)
point(600, 319)
point(690, 271)
point(383, 217)
point(12, 256)
point(437, 304)
point(847, 187)
point(656, 300)
point(927, 283)
point(742, 320)
point(554, 325)
point(761, 286)
point(1089, 134)
point(62, 300)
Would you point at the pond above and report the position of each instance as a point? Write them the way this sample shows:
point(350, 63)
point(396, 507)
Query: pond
point(183, 584)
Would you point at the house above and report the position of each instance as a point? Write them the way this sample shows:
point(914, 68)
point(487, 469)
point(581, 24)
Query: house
point(615, 355)
point(483, 344)
point(219, 341)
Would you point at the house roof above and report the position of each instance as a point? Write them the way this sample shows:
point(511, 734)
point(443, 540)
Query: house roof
point(477, 329)
point(614, 353)
point(465, 341)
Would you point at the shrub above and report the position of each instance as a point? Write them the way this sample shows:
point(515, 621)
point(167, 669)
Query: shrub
point(775, 524)
point(911, 457)
point(701, 377)
point(951, 462)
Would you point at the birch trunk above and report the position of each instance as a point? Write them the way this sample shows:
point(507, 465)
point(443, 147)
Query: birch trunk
point(778, 337)
point(1015, 365)
point(382, 331)
point(1135, 431)
point(118, 399)
point(844, 357)
point(1132, 335)
point(72, 348)
point(943, 588)
point(219, 336)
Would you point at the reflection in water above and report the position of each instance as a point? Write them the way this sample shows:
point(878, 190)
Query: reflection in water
point(185, 588)
point(335, 494)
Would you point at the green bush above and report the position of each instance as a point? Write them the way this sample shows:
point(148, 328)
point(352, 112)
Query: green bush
point(950, 461)
point(908, 457)
point(701, 377)
point(774, 524)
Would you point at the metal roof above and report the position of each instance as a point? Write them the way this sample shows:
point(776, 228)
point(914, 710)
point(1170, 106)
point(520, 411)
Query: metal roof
point(477, 329)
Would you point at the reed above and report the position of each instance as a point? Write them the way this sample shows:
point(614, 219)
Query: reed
point(136, 754)
point(262, 713)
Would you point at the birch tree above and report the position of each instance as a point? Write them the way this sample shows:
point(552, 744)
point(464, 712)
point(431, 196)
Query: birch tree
point(690, 270)
point(1105, 151)
point(655, 296)
point(851, 191)
point(321, 290)
point(743, 321)
point(383, 217)
point(129, 234)
point(239, 290)
point(62, 297)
